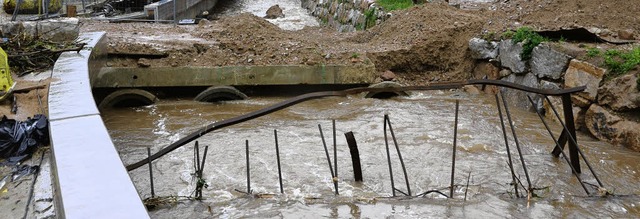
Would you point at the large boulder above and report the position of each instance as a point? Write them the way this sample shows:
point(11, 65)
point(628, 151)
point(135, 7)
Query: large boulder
point(582, 73)
point(607, 126)
point(548, 63)
point(626, 34)
point(484, 68)
point(620, 94)
point(510, 56)
point(388, 76)
point(519, 98)
point(482, 49)
point(274, 12)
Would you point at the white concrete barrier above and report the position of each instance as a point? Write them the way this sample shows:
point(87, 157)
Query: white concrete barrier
point(90, 178)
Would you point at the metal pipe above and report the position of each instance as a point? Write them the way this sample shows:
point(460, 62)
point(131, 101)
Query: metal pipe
point(201, 182)
point(131, 20)
point(153, 194)
point(204, 158)
point(326, 151)
point(466, 190)
point(506, 143)
point(515, 138)
point(355, 156)
point(571, 137)
point(315, 95)
point(196, 166)
point(573, 170)
point(16, 10)
point(275, 133)
point(197, 156)
point(395, 142)
point(386, 144)
point(335, 150)
point(453, 156)
point(248, 168)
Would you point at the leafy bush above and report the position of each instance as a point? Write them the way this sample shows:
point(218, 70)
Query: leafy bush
point(530, 38)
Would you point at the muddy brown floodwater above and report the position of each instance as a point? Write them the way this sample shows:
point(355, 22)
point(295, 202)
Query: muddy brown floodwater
point(423, 124)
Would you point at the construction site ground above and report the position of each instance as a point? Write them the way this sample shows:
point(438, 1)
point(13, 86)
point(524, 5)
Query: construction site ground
point(421, 44)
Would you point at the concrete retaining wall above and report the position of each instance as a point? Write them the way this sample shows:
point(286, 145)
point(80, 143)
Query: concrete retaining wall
point(185, 9)
point(90, 178)
point(234, 75)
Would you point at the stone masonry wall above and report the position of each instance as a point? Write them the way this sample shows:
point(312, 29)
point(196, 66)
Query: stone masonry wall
point(346, 15)
point(607, 109)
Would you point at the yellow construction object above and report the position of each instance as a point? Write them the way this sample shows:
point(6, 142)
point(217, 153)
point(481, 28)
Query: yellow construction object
point(6, 81)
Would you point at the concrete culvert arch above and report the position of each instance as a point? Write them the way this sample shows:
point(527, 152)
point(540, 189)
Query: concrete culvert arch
point(386, 95)
point(128, 98)
point(220, 93)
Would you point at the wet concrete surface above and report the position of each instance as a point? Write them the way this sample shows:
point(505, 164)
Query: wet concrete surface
point(90, 179)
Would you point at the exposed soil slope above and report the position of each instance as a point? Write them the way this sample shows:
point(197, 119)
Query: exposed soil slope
point(423, 43)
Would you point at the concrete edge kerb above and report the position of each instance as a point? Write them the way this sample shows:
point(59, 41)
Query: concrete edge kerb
point(90, 178)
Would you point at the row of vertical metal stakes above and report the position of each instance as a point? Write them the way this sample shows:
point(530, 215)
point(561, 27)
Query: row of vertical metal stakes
point(199, 166)
point(332, 167)
point(566, 132)
point(198, 170)
point(558, 149)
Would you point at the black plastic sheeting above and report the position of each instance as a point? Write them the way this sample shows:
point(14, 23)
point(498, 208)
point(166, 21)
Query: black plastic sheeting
point(19, 139)
point(580, 35)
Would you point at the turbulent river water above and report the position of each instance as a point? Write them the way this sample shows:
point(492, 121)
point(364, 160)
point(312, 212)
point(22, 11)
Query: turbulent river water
point(424, 127)
point(295, 18)
point(423, 124)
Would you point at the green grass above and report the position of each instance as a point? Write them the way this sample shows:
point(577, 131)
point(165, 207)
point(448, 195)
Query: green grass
point(593, 52)
point(530, 38)
point(619, 62)
point(562, 39)
point(507, 35)
point(390, 5)
point(370, 18)
point(489, 36)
